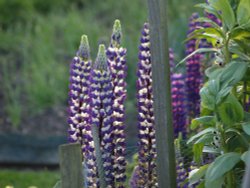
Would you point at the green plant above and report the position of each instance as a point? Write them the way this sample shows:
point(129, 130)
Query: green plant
point(12, 92)
point(28, 178)
point(224, 120)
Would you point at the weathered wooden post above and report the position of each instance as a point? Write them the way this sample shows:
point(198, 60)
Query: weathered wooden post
point(246, 179)
point(71, 166)
point(166, 172)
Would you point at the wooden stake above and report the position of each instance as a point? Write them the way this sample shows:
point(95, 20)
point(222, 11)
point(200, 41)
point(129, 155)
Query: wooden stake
point(166, 172)
point(246, 179)
point(71, 166)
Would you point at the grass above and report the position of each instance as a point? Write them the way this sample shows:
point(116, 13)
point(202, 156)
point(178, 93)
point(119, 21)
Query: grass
point(28, 178)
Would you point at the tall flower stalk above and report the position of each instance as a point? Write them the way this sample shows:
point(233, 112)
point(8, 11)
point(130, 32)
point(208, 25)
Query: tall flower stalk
point(181, 172)
point(101, 100)
point(147, 142)
point(179, 104)
point(79, 127)
point(193, 73)
point(78, 94)
point(117, 62)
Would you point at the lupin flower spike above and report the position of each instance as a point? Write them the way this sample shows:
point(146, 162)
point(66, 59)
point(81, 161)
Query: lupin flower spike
point(101, 99)
point(178, 104)
point(180, 170)
point(117, 64)
point(147, 144)
point(79, 75)
point(193, 74)
point(80, 130)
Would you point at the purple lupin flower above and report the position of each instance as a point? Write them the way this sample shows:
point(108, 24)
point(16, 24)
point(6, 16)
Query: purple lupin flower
point(117, 63)
point(147, 145)
point(178, 104)
point(211, 17)
point(193, 73)
point(101, 100)
point(171, 60)
point(248, 105)
point(133, 182)
point(79, 76)
point(181, 172)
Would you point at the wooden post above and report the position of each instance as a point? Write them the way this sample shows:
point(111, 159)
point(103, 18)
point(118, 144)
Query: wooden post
point(166, 172)
point(71, 166)
point(246, 179)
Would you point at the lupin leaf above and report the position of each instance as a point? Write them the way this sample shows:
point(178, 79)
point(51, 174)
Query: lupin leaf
point(226, 11)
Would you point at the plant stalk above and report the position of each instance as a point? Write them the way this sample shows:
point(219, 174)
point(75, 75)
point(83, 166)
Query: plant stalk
point(99, 160)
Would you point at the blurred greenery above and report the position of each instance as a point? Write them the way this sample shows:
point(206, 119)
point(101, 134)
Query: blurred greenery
point(28, 178)
point(39, 38)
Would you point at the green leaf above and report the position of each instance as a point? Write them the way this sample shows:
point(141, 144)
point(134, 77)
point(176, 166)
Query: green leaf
point(207, 100)
point(230, 111)
point(211, 22)
point(243, 12)
point(208, 149)
point(233, 131)
point(220, 166)
point(213, 72)
point(227, 13)
point(211, 34)
point(197, 149)
point(196, 176)
point(247, 75)
point(200, 50)
point(215, 184)
point(205, 131)
point(201, 185)
point(205, 139)
point(247, 116)
point(204, 120)
point(209, 93)
point(223, 93)
point(58, 184)
point(246, 127)
point(239, 34)
point(233, 72)
point(238, 47)
point(245, 157)
point(208, 9)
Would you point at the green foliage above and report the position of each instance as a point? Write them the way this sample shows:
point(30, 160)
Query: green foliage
point(198, 174)
point(226, 11)
point(245, 157)
point(220, 166)
point(28, 178)
point(204, 120)
point(243, 13)
point(230, 111)
point(223, 122)
point(13, 91)
point(246, 127)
